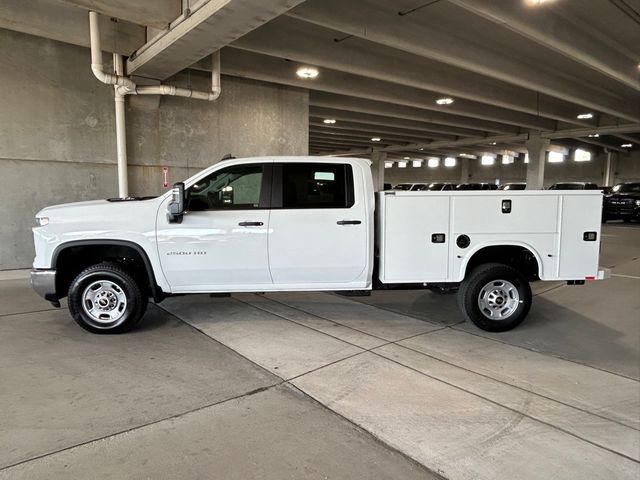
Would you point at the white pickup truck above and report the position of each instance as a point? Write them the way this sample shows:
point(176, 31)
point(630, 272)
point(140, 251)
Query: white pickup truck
point(311, 223)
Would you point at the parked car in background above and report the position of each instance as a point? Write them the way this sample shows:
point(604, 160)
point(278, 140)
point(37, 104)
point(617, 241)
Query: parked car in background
point(513, 186)
point(387, 186)
point(476, 186)
point(433, 187)
point(574, 186)
point(623, 202)
point(403, 186)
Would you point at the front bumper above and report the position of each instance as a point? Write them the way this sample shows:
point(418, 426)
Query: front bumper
point(44, 283)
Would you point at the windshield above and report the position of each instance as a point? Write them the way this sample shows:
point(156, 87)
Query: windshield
point(627, 188)
point(514, 186)
point(567, 186)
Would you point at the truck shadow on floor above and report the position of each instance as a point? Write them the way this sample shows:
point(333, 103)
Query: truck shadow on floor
point(550, 328)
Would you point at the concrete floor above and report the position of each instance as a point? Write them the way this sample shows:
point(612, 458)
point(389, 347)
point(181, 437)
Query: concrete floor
point(321, 386)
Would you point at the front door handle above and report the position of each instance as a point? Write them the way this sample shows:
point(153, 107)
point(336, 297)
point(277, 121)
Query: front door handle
point(349, 222)
point(251, 224)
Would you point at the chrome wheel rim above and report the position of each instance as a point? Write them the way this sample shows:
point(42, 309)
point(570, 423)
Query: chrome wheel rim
point(105, 303)
point(498, 300)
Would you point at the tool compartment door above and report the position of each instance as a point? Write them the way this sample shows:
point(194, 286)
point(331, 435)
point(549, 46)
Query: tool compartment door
point(579, 255)
point(412, 248)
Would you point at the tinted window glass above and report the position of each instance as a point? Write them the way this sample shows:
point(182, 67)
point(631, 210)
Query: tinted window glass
point(236, 187)
point(627, 188)
point(317, 185)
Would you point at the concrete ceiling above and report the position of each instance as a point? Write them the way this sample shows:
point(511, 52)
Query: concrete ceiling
point(512, 67)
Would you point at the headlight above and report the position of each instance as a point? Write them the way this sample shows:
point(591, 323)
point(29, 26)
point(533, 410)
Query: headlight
point(42, 221)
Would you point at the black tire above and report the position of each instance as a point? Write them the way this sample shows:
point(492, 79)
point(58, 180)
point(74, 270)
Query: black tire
point(129, 304)
point(474, 286)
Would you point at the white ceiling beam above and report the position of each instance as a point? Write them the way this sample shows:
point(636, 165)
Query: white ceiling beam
point(272, 69)
point(301, 41)
point(154, 13)
point(371, 131)
point(209, 27)
point(561, 33)
point(378, 21)
point(561, 134)
point(381, 118)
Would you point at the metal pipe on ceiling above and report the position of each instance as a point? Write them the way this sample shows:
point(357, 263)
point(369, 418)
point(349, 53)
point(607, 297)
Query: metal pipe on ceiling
point(123, 86)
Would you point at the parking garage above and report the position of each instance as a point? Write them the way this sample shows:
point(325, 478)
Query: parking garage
point(120, 100)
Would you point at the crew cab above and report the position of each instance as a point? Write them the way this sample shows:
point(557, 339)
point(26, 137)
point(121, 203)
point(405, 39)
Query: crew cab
point(311, 224)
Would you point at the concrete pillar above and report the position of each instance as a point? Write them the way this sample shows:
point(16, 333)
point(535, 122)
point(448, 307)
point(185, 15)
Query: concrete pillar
point(464, 170)
point(610, 169)
point(377, 169)
point(537, 148)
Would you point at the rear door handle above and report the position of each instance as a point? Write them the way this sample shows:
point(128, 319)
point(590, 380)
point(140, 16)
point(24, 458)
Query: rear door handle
point(251, 224)
point(349, 222)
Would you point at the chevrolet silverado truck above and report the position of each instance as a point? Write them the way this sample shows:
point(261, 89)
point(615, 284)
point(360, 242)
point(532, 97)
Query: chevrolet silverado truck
point(311, 224)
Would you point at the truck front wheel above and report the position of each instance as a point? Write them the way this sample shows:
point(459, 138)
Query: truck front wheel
point(495, 297)
point(105, 298)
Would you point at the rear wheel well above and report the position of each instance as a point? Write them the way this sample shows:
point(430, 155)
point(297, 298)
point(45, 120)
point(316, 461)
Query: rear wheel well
point(520, 258)
point(73, 259)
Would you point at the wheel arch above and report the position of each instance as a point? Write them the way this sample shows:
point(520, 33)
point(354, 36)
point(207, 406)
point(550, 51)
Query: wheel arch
point(114, 247)
point(519, 255)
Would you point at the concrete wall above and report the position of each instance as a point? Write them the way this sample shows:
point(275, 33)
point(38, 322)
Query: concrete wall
point(627, 169)
point(57, 134)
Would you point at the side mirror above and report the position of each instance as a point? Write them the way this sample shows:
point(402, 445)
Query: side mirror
point(176, 207)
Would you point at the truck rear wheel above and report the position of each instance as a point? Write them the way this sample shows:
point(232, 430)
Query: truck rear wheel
point(495, 297)
point(105, 298)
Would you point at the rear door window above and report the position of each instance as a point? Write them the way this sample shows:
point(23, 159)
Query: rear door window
point(317, 185)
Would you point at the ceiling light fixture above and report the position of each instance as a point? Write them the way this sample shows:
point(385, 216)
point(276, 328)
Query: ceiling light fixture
point(444, 101)
point(329, 121)
point(307, 72)
point(594, 135)
point(627, 145)
point(407, 158)
point(450, 162)
point(433, 162)
point(585, 116)
point(375, 139)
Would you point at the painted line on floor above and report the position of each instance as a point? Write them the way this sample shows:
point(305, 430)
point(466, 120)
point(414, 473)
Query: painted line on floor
point(625, 276)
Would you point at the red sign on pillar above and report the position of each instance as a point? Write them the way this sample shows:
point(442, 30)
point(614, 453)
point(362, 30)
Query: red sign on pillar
point(165, 177)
